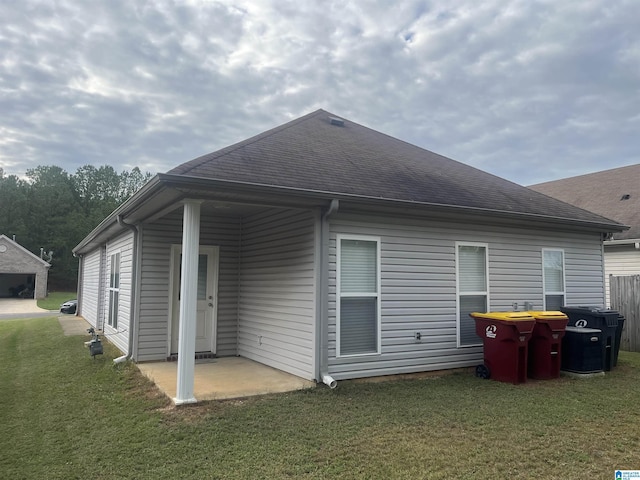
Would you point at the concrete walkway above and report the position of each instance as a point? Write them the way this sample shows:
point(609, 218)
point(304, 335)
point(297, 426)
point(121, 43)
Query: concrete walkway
point(72, 325)
point(225, 378)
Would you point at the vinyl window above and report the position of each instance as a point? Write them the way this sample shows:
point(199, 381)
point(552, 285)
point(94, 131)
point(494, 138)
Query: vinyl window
point(472, 274)
point(553, 279)
point(358, 296)
point(114, 290)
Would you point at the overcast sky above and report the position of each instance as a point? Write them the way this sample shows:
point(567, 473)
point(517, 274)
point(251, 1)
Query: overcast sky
point(528, 90)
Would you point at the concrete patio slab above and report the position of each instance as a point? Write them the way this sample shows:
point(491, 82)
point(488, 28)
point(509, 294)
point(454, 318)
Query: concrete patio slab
point(225, 378)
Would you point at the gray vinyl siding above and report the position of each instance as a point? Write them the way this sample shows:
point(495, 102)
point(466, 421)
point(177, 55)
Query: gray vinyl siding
point(418, 286)
point(157, 238)
point(119, 336)
point(90, 301)
point(277, 291)
point(620, 260)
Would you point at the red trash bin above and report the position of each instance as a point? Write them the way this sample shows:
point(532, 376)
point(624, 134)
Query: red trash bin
point(545, 346)
point(505, 337)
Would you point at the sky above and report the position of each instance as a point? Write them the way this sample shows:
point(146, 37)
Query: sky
point(531, 91)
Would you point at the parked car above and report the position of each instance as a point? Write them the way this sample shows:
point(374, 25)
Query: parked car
point(69, 307)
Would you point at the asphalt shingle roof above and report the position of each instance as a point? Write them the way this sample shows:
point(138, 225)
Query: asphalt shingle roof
point(312, 153)
point(604, 193)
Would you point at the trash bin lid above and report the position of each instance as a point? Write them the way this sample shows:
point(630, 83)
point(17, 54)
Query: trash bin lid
point(547, 315)
point(505, 316)
point(588, 309)
point(583, 330)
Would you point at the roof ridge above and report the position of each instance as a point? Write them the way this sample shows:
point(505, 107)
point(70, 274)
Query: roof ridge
point(192, 164)
point(592, 174)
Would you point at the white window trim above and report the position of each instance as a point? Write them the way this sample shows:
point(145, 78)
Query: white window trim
point(458, 293)
point(339, 295)
point(112, 289)
point(564, 278)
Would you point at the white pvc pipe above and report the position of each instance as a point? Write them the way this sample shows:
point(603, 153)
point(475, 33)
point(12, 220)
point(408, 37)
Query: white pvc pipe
point(329, 381)
point(121, 359)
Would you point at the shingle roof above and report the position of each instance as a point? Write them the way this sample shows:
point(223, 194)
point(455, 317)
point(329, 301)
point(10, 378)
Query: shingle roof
point(312, 153)
point(604, 193)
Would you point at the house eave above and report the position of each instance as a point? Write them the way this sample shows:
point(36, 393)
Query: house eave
point(320, 198)
point(170, 189)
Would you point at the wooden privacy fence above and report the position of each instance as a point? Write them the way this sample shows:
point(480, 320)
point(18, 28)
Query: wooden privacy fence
point(625, 298)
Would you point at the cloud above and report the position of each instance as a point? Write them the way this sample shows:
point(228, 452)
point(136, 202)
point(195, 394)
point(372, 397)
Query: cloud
point(530, 91)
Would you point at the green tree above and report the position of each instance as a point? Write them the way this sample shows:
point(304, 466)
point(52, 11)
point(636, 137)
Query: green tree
point(13, 205)
point(52, 222)
point(54, 210)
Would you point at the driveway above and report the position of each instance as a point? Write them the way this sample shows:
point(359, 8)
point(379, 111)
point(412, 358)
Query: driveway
point(22, 308)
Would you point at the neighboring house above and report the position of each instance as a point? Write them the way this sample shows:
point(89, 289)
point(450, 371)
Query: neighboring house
point(614, 194)
point(330, 251)
point(22, 274)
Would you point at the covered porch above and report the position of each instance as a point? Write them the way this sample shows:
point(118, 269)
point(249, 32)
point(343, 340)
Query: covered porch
point(225, 378)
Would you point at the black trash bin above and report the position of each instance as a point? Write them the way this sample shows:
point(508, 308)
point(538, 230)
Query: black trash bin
point(621, 320)
point(602, 319)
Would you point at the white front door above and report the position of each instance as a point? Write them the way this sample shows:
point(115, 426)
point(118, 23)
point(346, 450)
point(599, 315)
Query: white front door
point(207, 298)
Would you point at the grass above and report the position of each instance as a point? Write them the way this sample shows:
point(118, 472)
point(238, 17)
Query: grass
point(64, 415)
point(55, 299)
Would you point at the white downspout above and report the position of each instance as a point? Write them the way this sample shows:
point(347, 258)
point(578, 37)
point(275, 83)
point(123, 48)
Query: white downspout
point(324, 295)
point(133, 320)
point(79, 289)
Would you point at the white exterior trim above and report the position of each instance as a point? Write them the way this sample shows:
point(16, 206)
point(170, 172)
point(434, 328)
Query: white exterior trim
point(188, 310)
point(564, 278)
point(486, 293)
point(378, 294)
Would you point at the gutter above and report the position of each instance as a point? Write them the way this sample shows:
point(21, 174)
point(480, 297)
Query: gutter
point(173, 181)
point(189, 182)
point(324, 295)
point(134, 319)
point(628, 241)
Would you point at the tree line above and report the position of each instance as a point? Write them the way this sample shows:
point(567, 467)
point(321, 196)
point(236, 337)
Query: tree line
point(51, 211)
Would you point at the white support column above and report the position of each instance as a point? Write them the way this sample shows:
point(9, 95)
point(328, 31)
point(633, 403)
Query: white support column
point(188, 303)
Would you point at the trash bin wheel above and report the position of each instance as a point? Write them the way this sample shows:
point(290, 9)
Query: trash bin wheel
point(482, 371)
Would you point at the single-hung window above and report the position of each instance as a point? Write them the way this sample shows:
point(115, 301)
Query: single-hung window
point(553, 279)
point(358, 295)
point(473, 289)
point(114, 290)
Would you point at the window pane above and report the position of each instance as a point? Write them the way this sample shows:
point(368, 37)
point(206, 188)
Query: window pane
point(114, 277)
point(202, 277)
point(472, 268)
point(358, 266)
point(358, 325)
point(113, 308)
point(553, 302)
point(468, 304)
point(553, 274)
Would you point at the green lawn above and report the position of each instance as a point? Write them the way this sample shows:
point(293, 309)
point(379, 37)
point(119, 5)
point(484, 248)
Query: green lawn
point(64, 415)
point(55, 299)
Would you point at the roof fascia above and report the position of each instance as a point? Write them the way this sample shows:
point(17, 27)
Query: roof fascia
point(182, 181)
